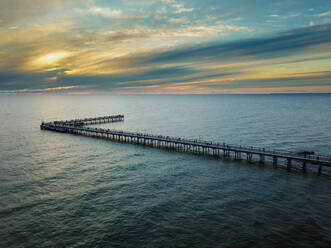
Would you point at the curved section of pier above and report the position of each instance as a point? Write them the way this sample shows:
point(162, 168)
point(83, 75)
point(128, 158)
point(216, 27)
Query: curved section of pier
point(261, 155)
point(88, 121)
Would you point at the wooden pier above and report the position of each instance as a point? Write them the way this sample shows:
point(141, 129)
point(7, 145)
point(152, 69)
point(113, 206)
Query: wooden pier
point(261, 155)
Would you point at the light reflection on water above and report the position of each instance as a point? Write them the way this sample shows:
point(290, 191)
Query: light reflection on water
point(59, 190)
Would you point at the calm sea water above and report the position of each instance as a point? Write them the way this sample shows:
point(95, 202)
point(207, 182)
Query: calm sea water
point(60, 190)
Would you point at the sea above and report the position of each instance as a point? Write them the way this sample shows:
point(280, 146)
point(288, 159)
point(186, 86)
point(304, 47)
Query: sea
point(63, 190)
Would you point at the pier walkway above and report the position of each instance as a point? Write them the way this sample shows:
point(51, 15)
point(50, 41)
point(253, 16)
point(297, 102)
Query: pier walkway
point(261, 155)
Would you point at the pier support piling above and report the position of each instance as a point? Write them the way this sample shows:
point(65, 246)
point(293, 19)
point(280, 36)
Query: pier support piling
point(274, 161)
point(289, 164)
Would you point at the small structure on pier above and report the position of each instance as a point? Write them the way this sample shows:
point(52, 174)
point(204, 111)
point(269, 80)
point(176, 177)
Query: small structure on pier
point(78, 126)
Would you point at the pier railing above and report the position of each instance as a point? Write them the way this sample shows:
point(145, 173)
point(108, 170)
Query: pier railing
point(78, 126)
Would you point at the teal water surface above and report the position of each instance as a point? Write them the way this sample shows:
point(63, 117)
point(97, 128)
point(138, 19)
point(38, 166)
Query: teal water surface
point(60, 190)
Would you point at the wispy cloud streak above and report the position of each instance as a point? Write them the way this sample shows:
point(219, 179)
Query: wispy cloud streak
point(281, 44)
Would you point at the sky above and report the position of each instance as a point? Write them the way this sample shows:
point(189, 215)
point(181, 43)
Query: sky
point(165, 46)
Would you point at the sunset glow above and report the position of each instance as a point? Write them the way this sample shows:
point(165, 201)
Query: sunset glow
point(118, 46)
point(52, 58)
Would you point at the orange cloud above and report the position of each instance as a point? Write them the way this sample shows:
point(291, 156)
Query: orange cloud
point(44, 90)
point(200, 89)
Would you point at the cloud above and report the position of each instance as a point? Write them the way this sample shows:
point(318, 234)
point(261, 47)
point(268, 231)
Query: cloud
point(215, 66)
point(181, 10)
point(168, 1)
point(89, 51)
point(281, 44)
point(178, 20)
point(164, 45)
point(162, 34)
point(178, 5)
point(273, 15)
point(105, 12)
point(22, 46)
point(162, 10)
point(62, 88)
point(328, 13)
point(16, 11)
